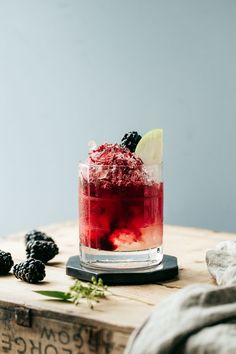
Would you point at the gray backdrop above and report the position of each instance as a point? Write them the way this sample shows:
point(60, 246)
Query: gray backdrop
point(71, 71)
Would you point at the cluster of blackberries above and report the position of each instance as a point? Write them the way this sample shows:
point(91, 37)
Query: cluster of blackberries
point(6, 262)
point(31, 270)
point(130, 140)
point(40, 248)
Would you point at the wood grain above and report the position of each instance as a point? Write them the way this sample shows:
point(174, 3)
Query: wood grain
point(114, 318)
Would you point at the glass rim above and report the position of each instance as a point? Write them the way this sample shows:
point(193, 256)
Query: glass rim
point(85, 164)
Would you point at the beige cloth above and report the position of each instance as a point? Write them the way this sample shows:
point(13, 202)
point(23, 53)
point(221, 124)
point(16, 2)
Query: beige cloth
point(221, 263)
point(199, 319)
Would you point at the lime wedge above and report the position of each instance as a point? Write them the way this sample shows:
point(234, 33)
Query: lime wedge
point(150, 147)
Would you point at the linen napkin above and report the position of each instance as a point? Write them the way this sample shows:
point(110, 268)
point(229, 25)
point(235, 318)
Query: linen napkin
point(199, 319)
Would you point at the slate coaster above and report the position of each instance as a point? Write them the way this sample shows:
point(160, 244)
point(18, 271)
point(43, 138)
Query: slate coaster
point(167, 270)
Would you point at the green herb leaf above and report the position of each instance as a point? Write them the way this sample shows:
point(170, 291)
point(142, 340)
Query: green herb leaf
point(91, 291)
point(55, 294)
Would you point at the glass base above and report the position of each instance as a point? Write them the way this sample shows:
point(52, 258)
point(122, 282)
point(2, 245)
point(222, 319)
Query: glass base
point(97, 259)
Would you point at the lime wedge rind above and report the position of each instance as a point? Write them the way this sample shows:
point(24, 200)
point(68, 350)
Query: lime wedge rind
point(150, 147)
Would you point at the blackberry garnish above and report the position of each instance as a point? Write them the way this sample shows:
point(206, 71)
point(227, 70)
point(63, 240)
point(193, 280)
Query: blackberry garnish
point(6, 262)
point(130, 140)
point(31, 271)
point(36, 235)
point(41, 250)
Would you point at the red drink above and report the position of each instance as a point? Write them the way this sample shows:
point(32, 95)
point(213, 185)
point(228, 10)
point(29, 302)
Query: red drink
point(125, 219)
point(121, 203)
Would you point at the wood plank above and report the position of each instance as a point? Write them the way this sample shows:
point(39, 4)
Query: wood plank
point(188, 244)
point(117, 315)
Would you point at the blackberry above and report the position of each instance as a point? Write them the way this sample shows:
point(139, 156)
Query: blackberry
point(31, 271)
point(130, 140)
point(36, 235)
point(42, 250)
point(6, 262)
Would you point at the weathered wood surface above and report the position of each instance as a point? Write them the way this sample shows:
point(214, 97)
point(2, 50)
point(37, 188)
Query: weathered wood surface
point(32, 324)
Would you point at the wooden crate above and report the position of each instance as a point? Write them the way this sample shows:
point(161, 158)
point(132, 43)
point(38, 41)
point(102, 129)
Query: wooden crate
point(33, 324)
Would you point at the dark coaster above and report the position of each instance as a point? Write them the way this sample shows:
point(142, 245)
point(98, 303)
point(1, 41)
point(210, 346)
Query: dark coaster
point(167, 270)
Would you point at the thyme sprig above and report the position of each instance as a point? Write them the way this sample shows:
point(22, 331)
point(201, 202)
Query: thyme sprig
point(91, 291)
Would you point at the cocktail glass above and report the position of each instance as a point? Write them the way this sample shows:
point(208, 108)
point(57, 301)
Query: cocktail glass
point(121, 224)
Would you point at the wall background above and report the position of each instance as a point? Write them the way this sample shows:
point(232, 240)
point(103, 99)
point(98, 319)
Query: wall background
point(73, 70)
